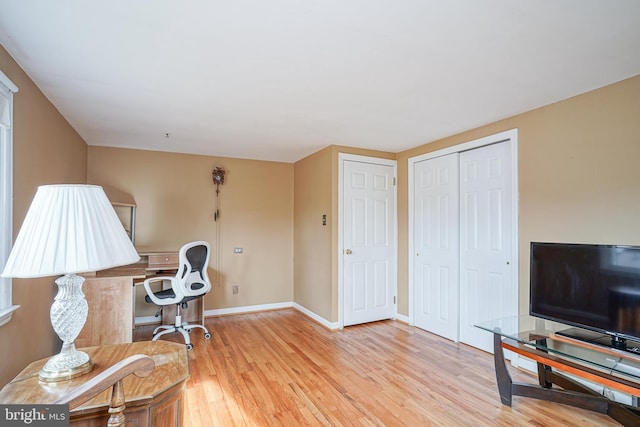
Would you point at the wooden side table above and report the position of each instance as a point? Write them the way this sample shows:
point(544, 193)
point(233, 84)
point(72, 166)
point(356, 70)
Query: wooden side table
point(153, 401)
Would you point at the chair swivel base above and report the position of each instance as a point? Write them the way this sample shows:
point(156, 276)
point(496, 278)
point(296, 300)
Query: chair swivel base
point(184, 328)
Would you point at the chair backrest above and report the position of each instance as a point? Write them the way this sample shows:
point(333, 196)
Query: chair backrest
point(192, 272)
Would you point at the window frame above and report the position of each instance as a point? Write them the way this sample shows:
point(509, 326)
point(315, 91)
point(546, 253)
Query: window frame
point(6, 200)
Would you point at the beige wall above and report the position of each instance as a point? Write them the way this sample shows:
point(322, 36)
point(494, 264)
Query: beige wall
point(175, 198)
point(312, 241)
point(579, 179)
point(46, 151)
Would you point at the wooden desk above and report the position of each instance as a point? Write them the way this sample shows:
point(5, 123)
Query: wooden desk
point(110, 317)
point(111, 298)
point(159, 260)
point(153, 401)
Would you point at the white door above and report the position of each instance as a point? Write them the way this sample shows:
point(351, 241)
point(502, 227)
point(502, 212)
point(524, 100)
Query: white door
point(436, 241)
point(487, 289)
point(369, 242)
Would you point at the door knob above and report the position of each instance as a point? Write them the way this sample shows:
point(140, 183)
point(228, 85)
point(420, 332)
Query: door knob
point(348, 252)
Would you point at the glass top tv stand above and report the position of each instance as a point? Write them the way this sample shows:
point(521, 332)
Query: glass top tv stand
point(559, 349)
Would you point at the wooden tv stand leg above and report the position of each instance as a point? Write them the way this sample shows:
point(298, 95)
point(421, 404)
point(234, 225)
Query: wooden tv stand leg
point(572, 392)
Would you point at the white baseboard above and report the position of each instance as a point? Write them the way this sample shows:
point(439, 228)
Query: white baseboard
point(247, 309)
point(146, 320)
point(525, 363)
point(143, 320)
point(402, 318)
point(324, 322)
point(265, 307)
point(275, 306)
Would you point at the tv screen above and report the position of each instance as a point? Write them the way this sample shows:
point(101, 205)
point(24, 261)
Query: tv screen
point(596, 287)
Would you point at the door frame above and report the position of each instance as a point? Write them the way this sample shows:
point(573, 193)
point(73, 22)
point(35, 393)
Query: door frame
point(342, 157)
point(509, 135)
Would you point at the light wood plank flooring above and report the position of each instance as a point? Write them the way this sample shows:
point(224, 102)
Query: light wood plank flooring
point(279, 368)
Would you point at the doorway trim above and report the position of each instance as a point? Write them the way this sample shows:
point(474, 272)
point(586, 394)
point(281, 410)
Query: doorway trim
point(342, 157)
point(509, 135)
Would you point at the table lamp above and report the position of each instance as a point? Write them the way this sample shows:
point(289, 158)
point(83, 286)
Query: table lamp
point(69, 229)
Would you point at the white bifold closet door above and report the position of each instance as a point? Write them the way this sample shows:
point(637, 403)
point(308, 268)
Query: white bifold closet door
point(487, 284)
point(436, 243)
point(463, 232)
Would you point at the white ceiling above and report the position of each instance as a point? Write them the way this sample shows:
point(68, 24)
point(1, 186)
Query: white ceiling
point(281, 79)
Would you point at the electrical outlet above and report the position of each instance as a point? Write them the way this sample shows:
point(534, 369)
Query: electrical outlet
point(234, 289)
point(237, 250)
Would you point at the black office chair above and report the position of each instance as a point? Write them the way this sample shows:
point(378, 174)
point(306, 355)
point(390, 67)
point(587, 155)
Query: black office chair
point(190, 282)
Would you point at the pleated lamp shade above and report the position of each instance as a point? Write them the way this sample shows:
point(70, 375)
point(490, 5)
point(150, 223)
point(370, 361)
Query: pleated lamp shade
point(69, 229)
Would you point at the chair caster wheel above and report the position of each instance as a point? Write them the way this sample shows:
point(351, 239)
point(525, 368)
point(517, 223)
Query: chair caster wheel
point(189, 346)
point(207, 336)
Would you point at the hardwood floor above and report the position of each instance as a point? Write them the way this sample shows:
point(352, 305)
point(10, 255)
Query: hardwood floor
point(279, 368)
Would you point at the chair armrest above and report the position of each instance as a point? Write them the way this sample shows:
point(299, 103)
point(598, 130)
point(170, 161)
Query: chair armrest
point(140, 365)
point(163, 301)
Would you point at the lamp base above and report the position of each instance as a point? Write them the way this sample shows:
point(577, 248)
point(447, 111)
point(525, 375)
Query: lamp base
point(64, 366)
point(68, 315)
